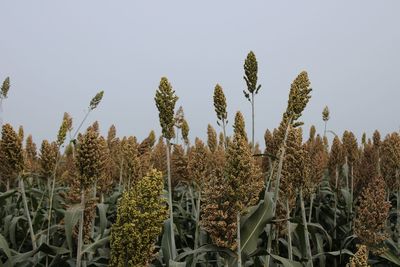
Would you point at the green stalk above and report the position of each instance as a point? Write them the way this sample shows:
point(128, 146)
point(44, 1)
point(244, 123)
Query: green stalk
point(80, 234)
point(121, 166)
point(306, 234)
point(171, 210)
point(252, 121)
point(238, 240)
point(276, 195)
point(335, 207)
point(351, 193)
point(224, 130)
point(398, 208)
point(51, 200)
point(311, 207)
point(197, 229)
point(290, 248)
point(28, 216)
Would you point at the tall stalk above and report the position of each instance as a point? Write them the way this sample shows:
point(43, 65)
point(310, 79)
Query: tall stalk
point(171, 210)
point(51, 201)
point(250, 77)
point(252, 121)
point(289, 230)
point(28, 216)
point(80, 234)
point(239, 250)
point(276, 195)
point(398, 207)
point(306, 234)
point(311, 207)
point(197, 228)
point(335, 207)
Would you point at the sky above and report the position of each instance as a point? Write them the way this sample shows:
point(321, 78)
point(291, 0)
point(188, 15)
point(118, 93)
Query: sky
point(59, 54)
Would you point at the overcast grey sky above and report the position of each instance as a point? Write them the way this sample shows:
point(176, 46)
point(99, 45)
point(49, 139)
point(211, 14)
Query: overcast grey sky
point(58, 54)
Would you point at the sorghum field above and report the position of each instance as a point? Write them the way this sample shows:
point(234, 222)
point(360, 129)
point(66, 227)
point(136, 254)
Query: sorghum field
point(83, 199)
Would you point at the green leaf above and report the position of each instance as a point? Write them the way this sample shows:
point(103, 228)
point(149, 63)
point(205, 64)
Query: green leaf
point(103, 217)
point(254, 225)
point(390, 256)
point(286, 262)
point(205, 249)
point(13, 229)
point(93, 246)
point(7, 194)
point(167, 247)
point(176, 264)
point(335, 253)
point(5, 248)
point(71, 218)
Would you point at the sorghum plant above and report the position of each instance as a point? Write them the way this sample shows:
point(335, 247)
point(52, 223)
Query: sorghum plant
point(250, 71)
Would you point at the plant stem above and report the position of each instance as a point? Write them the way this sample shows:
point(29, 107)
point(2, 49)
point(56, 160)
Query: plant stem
point(289, 234)
point(306, 234)
point(311, 207)
point(80, 234)
point(224, 130)
point(121, 166)
point(398, 208)
point(80, 125)
point(351, 194)
point(28, 216)
point(252, 121)
point(276, 195)
point(197, 229)
point(335, 207)
point(51, 201)
point(238, 240)
point(171, 210)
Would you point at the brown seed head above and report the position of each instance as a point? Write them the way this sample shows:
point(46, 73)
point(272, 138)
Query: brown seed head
point(211, 138)
point(11, 156)
point(390, 158)
point(371, 215)
point(48, 158)
point(360, 259)
point(88, 156)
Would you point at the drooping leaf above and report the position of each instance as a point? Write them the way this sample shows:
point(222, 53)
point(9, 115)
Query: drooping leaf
point(71, 218)
point(254, 225)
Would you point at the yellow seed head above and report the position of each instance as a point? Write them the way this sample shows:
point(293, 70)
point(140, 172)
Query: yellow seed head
point(140, 216)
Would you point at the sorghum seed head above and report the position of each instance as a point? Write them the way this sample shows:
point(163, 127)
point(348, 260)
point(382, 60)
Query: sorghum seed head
point(165, 101)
